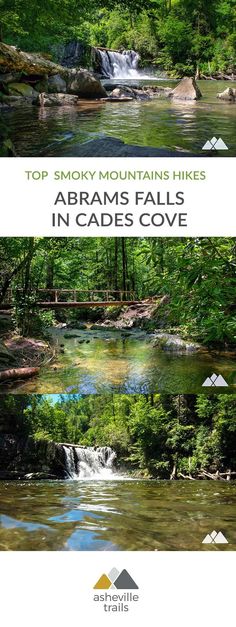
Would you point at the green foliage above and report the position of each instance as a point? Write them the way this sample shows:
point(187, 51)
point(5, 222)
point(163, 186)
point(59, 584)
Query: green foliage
point(177, 35)
point(198, 275)
point(155, 435)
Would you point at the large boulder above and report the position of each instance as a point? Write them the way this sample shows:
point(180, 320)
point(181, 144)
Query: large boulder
point(55, 100)
point(174, 343)
point(56, 84)
point(187, 89)
point(229, 95)
point(84, 84)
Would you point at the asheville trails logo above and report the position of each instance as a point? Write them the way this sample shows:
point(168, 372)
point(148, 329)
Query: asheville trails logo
point(215, 381)
point(215, 144)
point(115, 580)
point(215, 538)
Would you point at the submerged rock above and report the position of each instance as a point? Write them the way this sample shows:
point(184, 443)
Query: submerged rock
point(55, 100)
point(187, 89)
point(80, 326)
point(228, 95)
point(112, 147)
point(174, 343)
point(71, 336)
point(129, 92)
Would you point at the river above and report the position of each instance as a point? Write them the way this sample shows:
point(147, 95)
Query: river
point(116, 515)
point(103, 361)
point(158, 122)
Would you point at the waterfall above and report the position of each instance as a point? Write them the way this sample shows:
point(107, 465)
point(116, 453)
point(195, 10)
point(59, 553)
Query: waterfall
point(119, 64)
point(89, 462)
point(70, 462)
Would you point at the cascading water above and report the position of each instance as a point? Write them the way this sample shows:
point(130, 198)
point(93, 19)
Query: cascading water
point(88, 462)
point(119, 64)
point(70, 462)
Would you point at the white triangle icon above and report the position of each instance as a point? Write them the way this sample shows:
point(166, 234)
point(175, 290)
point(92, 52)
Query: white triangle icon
point(215, 144)
point(215, 381)
point(207, 146)
point(220, 145)
point(207, 539)
point(220, 539)
point(220, 382)
point(208, 383)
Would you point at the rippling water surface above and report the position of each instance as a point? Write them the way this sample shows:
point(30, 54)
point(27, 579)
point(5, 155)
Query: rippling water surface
point(107, 361)
point(159, 123)
point(127, 515)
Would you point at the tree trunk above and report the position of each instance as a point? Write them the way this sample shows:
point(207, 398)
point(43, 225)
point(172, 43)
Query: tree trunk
point(123, 263)
point(116, 263)
point(50, 273)
point(18, 373)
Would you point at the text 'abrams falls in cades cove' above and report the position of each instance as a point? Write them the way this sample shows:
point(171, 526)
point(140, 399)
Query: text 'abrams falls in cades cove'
point(123, 198)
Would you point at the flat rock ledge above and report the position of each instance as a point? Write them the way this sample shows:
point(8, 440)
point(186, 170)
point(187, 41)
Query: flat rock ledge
point(112, 147)
point(175, 344)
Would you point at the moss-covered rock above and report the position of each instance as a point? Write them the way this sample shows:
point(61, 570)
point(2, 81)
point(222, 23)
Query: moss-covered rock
point(14, 60)
point(21, 89)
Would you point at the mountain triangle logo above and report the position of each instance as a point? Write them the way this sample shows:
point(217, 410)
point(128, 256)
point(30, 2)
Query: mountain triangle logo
point(116, 580)
point(215, 144)
point(215, 538)
point(215, 381)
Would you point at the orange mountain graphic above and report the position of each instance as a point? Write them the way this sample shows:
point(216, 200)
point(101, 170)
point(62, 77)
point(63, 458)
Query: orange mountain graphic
point(114, 579)
point(103, 583)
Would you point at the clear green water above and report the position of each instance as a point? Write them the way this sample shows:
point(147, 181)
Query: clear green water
point(116, 515)
point(159, 123)
point(110, 362)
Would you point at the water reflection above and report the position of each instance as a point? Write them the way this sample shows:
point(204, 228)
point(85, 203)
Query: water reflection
point(90, 515)
point(107, 362)
point(160, 123)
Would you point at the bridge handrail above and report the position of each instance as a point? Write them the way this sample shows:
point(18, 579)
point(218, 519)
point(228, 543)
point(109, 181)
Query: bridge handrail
point(74, 291)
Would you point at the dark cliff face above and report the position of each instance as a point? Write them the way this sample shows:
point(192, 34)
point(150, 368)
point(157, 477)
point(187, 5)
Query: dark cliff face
point(21, 455)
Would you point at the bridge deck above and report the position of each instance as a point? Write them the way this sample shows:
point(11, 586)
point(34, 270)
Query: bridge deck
point(91, 303)
point(58, 298)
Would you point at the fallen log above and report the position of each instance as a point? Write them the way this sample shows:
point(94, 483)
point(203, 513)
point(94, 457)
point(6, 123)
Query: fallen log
point(18, 373)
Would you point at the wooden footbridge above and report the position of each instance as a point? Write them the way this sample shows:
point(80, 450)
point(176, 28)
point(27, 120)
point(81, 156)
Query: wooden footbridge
point(61, 298)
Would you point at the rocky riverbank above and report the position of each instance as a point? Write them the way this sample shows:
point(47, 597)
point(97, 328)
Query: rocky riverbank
point(33, 79)
point(149, 317)
point(22, 357)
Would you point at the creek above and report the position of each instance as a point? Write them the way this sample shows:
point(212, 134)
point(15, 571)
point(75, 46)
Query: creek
point(116, 514)
point(103, 361)
point(158, 122)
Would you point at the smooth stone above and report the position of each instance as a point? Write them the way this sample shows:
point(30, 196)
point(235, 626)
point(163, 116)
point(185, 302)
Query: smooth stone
point(82, 83)
point(174, 343)
point(112, 147)
point(228, 95)
point(187, 89)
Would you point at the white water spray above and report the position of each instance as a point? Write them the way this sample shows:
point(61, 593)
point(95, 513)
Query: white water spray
point(88, 462)
point(120, 64)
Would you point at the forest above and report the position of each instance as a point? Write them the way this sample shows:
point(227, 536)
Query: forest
point(178, 36)
point(195, 275)
point(157, 436)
